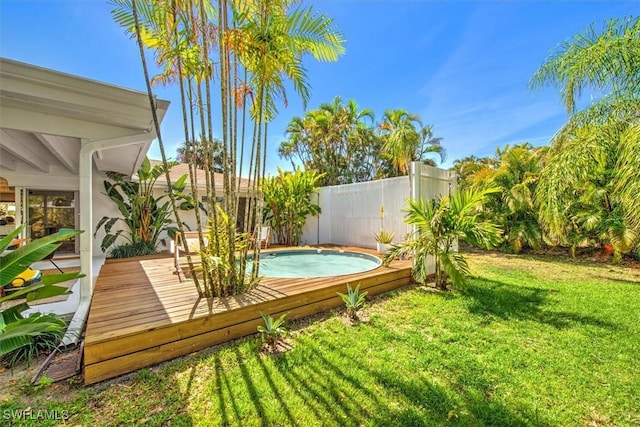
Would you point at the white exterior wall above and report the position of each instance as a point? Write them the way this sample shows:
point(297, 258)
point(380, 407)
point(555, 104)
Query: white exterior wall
point(102, 206)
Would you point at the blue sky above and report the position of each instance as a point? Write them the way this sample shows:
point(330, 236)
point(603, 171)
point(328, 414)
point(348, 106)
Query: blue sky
point(464, 66)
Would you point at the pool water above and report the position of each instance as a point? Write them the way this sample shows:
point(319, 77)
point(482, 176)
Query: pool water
point(314, 263)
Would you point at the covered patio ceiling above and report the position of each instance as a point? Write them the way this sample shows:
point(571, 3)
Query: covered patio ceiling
point(56, 124)
point(47, 116)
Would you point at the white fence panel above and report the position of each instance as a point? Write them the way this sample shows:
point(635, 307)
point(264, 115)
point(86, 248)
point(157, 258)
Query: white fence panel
point(351, 213)
point(428, 183)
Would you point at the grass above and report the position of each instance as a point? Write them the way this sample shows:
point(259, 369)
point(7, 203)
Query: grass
point(529, 341)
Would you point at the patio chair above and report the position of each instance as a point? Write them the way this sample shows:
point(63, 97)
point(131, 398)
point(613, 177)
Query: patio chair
point(190, 245)
point(262, 235)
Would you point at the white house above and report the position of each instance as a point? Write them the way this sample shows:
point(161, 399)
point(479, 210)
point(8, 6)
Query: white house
point(58, 134)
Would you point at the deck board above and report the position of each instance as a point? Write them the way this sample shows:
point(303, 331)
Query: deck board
point(141, 314)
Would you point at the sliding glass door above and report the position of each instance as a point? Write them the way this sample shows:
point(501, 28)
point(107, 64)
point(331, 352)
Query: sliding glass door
point(50, 211)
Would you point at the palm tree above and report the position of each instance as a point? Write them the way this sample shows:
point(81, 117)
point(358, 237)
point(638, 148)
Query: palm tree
point(337, 139)
point(252, 49)
point(438, 225)
point(515, 176)
point(468, 168)
point(406, 139)
point(401, 135)
point(429, 144)
point(196, 153)
point(595, 158)
point(608, 61)
point(586, 202)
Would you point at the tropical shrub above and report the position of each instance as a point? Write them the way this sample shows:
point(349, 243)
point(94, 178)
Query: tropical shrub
point(23, 338)
point(144, 216)
point(438, 226)
point(273, 330)
point(588, 191)
point(353, 300)
point(129, 250)
point(514, 173)
point(287, 199)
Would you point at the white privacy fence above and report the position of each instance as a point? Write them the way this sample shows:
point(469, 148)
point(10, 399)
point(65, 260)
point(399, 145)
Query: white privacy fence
point(351, 213)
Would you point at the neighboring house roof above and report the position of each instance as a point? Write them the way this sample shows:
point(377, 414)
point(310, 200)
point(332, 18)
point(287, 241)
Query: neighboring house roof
point(183, 169)
point(47, 116)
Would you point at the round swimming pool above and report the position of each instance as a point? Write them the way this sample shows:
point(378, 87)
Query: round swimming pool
point(314, 263)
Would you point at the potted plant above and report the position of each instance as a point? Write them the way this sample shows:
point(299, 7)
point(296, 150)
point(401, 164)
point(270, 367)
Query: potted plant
point(384, 239)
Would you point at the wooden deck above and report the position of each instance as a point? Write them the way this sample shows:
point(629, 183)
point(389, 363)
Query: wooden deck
point(141, 314)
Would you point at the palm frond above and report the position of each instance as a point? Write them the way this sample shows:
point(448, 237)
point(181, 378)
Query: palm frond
point(608, 59)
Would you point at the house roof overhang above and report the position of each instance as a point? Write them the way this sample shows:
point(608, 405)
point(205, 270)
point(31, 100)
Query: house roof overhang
point(47, 116)
point(244, 185)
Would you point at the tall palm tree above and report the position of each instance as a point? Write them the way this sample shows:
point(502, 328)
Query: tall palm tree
point(407, 139)
point(598, 148)
point(438, 225)
point(429, 144)
point(401, 136)
point(252, 48)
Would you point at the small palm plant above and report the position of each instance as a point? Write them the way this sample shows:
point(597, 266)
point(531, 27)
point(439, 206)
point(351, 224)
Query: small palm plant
point(273, 330)
point(354, 300)
point(438, 225)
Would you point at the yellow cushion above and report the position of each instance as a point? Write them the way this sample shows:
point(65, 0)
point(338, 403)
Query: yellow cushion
point(26, 278)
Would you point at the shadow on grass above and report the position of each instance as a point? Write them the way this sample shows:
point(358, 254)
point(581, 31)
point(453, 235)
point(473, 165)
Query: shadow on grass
point(328, 384)
point(251, 388)
point(222, 383)
point(422, 401)
point(430, 403)
point(496, 299)
point(275, 391)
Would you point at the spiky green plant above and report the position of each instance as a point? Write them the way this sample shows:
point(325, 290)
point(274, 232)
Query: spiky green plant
point(273, 330)
point(353, 300)
point(384, 236)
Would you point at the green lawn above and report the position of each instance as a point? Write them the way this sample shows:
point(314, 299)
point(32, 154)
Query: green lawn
point(530, 341)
